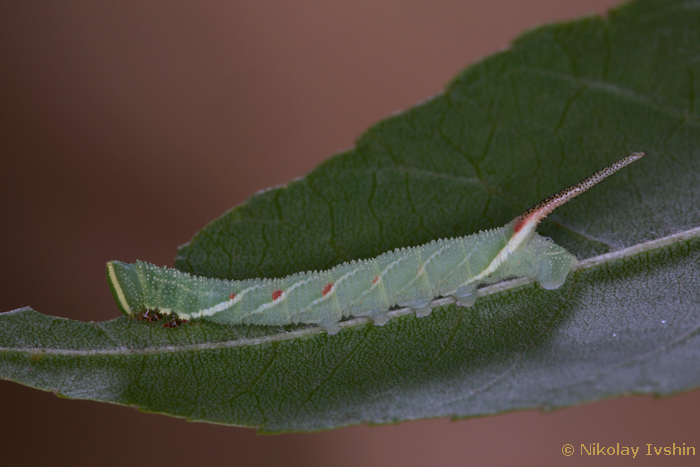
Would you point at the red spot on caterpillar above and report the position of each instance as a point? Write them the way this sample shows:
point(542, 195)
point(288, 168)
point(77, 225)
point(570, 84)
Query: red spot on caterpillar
point(327, 288)
point(519, 224)
point(534, 215)
point(376, 278)
point(276, 294)
point(230, 297)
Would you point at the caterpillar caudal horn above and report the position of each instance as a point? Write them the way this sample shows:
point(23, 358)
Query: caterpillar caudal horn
point(410, 277)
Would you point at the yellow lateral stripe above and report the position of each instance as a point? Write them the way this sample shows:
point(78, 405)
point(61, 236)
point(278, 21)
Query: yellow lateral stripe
point(118, 288)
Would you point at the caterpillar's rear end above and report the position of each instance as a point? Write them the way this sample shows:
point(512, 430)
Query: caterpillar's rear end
point(538, 258)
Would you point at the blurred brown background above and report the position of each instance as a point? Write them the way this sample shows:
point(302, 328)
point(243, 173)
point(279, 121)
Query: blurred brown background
point(126, 126)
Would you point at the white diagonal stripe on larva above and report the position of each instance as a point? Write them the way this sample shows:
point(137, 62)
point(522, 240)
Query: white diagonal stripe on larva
point(502, 255)
point(461, 263)
point(331, 292)
point(381, 275)
point(421, 269)
point(437, 252)
point(489, 269)
point(265, 306)
point(215, 309)
point(345, 276)
point(225, 305)
point(320, 300)
point(283, 296)
point(299, 284)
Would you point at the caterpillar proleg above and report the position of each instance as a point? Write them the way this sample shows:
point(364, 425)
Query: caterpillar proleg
point(409, 277)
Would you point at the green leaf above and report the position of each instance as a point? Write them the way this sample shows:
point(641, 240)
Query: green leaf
point(564, 101)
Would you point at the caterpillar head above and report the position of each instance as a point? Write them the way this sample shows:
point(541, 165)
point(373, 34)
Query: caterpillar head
point(126, 287)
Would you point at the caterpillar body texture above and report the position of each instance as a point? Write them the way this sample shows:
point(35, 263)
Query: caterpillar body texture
point(405, 277)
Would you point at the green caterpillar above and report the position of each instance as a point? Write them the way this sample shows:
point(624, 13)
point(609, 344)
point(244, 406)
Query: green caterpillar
point(408, 277)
